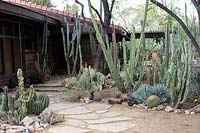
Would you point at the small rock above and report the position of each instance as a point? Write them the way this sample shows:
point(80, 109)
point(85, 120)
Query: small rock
point(3, 127)
point(179, 111)
point(187, 112)
point(82, 100)
point(159, 108)
point(46, 115)
point(15, 129)
point(97, 96)
point(169, 109)
point(115, 101)
point(39, 129)
point(27, 121)
point(31, 128)
point(192, 113)
point(87, 100)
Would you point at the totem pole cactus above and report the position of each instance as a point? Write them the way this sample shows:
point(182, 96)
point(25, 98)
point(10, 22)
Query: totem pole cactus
point(22, 107)
point(5, 90)
point(178, 76)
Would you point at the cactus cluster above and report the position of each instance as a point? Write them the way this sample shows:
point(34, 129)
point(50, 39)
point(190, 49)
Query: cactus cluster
point(144, 91)
point(153, 101)
point(90, 79)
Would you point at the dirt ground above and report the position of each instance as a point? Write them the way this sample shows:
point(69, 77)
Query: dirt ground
point(148, 121)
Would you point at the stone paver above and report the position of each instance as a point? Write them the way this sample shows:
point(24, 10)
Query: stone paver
point(65, 105)
point(110, 114)
point(101, 111)
point(67, 129)
point(73, 122)
point(74, 111)
point(84, 116)
point(97, 106)
point(112, 127)
point(106, 120)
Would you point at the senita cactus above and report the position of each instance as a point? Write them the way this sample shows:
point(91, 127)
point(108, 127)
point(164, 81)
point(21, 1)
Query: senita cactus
point(178, 76)
point(3, 104)
point(11, 104)
point(44, 100)
point(5, 90)
point(153, 101)
point(37, 107)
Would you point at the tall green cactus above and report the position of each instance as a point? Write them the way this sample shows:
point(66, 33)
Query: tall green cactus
point(107, 53)
point(22, 98)
point(22, 104)
point(5, 90)
point(3, 104)
point(178, 76)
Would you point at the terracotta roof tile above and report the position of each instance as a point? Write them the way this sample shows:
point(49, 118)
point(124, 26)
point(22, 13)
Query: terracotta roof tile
point(35, 7)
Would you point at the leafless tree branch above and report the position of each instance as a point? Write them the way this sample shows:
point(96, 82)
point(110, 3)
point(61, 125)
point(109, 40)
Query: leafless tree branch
point(112, 5)
point(98, 14)
point(82, 7)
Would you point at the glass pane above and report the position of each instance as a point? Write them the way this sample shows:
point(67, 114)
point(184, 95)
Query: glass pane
point(8, 28)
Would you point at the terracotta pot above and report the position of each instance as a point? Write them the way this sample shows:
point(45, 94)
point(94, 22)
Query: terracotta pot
point(154, 55)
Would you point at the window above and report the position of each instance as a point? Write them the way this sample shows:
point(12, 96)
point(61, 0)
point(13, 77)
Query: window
point(8, 29)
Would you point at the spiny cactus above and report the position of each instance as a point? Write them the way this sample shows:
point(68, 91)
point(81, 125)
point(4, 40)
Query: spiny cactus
point(116, 94)
point(29, 105)
point(11, 104)
point(90, 79)
point(72, 95)
point(3, 104)
point(0, 99)
point(37, 107)
point(153, 101)
point(44, 99)
point(5, 90)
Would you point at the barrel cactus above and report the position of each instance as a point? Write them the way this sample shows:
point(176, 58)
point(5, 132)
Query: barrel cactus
point(153, 101)
point(44, 99)
point(37, 107)
point(29, 105)
point(97, 96)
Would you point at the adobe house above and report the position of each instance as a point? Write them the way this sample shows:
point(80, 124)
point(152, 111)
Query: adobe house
point(26, 28)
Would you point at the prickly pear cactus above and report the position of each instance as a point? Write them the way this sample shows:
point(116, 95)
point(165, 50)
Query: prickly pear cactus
point(153, 101)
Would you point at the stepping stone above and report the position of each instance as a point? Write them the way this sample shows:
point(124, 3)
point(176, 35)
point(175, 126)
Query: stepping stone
point(101, 111)
point(67, 129)
point(90, 116)
point(73, 122)
point(106, 120)
point(74, 111)
point(112, 127)
point(110, 114)
point(97, 106)
point(61, 106)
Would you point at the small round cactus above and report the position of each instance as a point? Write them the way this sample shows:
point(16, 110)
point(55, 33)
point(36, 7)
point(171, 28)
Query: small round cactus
point(153, 101)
